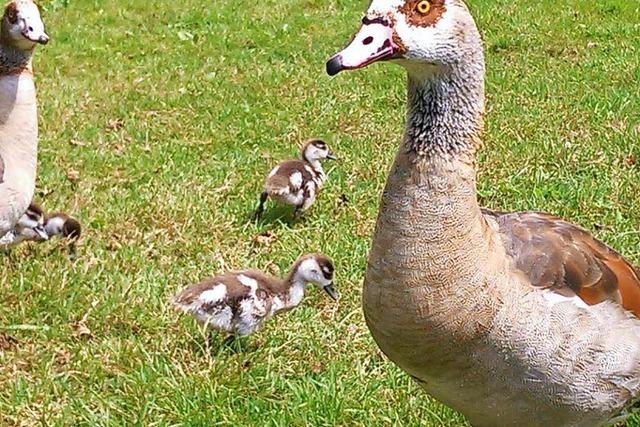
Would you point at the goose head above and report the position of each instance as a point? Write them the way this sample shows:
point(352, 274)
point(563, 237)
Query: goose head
point(317, 269)
point(421, 35)
point(22, 26)
point(315, 150)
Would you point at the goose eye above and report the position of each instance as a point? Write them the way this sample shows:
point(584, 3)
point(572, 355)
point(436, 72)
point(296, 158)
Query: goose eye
point(423, 7)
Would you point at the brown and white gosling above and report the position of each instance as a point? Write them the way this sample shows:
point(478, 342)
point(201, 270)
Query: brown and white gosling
point(297, 182)
point(30, 226)
point(239, 302)
point(34, 225)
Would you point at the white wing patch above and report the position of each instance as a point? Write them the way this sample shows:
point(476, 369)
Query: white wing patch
point(213, 295)
point(554, 298)
point(248, 282)
point(296, 180)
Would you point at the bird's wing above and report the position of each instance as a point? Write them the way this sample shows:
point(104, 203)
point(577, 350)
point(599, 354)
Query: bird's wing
point(557, 255)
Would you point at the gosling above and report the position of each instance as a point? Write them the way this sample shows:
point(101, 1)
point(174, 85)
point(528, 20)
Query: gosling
point(239, 302)
point(30, 226)
point(297, 182)
point(34, 225)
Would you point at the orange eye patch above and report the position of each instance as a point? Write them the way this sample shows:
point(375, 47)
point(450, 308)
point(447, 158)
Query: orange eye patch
point(422, 13)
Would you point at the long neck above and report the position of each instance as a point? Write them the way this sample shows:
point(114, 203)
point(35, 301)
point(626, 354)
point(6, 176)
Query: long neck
point(292, 291)
point(445, 108)
point(314, 163)
point(14, 61)
point(430, 225)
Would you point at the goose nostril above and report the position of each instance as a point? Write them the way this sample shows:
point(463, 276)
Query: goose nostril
point(30, 28)
point(367, 41)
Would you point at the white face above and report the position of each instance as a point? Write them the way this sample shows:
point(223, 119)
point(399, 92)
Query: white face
point(318, 151)
point(311, 272)
point(30, 220)
point(31, 225)
point(414, 32)
point(24, 25)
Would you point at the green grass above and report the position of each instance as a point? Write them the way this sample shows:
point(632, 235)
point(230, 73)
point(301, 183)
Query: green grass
point(172, 112)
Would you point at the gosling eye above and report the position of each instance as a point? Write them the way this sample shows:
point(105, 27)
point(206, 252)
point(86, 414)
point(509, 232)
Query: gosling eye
point(423, 7)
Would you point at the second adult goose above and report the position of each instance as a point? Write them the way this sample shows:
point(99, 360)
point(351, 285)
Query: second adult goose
point(21, 29)
point(510, 318)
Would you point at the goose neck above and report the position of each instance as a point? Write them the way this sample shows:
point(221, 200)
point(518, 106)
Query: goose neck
point(445, 109)
point(14, 60)
point(295, 288)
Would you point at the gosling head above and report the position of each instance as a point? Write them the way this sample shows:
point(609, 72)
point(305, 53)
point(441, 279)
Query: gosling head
point(417, 34)
point(315, 150)
point(22, 26)
point(317, 269)
point(31, 224)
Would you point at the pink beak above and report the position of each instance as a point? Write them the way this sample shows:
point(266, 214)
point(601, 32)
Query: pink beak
point(374, 42)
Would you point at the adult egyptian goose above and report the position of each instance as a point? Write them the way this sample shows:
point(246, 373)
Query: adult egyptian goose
point(510, 318)
point(297, 182)
point(21, 29)
point(239, 302)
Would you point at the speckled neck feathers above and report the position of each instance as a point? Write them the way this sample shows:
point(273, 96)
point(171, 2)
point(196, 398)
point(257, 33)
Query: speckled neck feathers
point(14, 60)
point(446, 106)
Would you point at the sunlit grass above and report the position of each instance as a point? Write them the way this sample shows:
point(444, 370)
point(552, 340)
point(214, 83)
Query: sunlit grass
point(172, 112)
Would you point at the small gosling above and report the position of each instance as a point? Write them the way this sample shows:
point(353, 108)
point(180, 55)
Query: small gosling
point(34, 225)
point(297, 182)
point(239, 302)
point(30, 226)
point(61, 224)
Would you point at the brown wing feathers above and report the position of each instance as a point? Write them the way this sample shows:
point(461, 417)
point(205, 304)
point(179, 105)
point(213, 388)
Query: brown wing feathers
point(555, 254)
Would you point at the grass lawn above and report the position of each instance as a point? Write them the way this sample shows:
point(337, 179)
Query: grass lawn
point(158, 122)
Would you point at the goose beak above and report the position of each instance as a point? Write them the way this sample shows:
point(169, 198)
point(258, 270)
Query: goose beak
point(43, 39)
point(331, 292)
point(374, 42)
point(41, 232)
point(331, 156)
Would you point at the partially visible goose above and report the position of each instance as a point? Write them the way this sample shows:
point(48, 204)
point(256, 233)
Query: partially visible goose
point(514, 319)
point(297, 182)
point(239, 302)
point(21, 29)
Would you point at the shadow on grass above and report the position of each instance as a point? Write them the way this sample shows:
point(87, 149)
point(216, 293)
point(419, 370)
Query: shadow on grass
point(215, 345)
point(276, 214)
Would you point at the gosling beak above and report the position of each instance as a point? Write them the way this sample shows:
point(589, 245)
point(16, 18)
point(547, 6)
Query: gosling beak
point(41, 232)
point(331, 156)
point(374, 42)
point(331, 292)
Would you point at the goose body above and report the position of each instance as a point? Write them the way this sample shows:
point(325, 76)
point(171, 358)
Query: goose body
point(239, 302)
point(21, 29)
point(510, 318)
point(297, 182)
